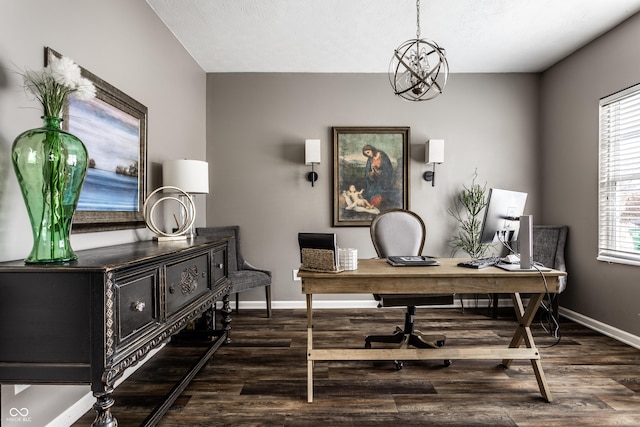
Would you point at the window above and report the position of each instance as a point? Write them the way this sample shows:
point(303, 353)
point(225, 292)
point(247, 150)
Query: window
point(619, 178)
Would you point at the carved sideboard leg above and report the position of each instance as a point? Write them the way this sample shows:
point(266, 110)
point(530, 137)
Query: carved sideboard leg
point(103, 405)
point(209, 317)
point(226, 317)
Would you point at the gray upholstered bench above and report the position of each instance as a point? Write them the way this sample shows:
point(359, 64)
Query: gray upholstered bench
point(243, 276)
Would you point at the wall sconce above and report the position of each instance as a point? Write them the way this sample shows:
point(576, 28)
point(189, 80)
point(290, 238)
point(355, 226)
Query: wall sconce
point(433, 153)
point(312, 157)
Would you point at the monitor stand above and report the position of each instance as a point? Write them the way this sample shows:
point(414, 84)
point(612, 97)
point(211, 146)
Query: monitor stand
point(525, 241)
point(525, 244)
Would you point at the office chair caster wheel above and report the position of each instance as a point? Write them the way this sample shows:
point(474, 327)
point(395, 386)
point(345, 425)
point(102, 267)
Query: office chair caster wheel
point(399, 365)
point(447, 363)
point(440, 343)
point(367, 345)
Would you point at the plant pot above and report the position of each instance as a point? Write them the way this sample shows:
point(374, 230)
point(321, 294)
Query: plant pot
point(50, 165)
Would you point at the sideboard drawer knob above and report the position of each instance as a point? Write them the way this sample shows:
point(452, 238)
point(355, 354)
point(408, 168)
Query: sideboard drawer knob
point(220, 266)
point(138, 306)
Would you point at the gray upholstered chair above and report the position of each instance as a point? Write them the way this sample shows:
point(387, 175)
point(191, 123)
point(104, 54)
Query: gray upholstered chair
point(549, 242)
point(243, 276)
point(401, 232)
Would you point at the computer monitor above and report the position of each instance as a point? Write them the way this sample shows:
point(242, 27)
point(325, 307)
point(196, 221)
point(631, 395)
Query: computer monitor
point(502, 216)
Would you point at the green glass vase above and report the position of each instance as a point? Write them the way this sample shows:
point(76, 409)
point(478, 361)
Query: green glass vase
point(51, 165)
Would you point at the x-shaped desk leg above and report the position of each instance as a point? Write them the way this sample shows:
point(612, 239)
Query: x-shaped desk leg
point(523, 332)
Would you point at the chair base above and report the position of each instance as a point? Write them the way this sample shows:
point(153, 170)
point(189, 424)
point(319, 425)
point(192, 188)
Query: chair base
point(415, 339)
point(408, 337)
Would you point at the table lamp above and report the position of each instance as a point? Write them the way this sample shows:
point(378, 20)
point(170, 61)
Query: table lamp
point(191, 176)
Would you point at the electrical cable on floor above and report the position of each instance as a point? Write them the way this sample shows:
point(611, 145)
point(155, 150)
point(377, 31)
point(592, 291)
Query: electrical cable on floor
point(552, 322)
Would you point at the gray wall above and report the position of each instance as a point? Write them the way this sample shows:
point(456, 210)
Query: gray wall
point(124, 43)
point(257, 124)
point(570, 93)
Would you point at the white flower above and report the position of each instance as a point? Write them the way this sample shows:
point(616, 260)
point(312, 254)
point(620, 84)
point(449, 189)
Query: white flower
point(85, 90)
point(51, 85)
point(65, 72)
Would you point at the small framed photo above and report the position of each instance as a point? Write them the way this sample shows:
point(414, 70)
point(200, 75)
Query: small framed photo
point(370, 173)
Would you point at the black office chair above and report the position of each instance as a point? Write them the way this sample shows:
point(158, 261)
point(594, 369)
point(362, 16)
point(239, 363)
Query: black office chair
point(399, 232)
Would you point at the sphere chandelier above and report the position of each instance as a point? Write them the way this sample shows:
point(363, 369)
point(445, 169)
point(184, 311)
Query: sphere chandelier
point(418, 70)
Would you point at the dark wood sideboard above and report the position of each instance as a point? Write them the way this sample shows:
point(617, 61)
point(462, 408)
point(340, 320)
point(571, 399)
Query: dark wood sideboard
point(88, 320)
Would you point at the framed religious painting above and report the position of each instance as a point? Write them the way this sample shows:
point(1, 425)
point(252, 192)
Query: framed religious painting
point(113, 127)
point(370, 173)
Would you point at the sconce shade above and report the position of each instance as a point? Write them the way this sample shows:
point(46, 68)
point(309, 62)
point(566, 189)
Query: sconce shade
point(192, 176)
point(311, 151)
point(434, 151)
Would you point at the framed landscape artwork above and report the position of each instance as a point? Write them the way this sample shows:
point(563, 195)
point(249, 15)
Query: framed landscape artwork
point(370, 173)
point(113, 127)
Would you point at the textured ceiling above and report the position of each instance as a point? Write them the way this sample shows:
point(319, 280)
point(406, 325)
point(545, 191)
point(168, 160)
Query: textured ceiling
point(359, 36)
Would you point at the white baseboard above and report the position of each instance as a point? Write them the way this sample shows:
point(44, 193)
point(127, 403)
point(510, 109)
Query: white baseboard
point(603, 328)
point(74, 412)
point(317, 303)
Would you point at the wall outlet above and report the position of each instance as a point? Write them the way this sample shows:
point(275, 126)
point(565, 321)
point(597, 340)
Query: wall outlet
point(295, 276)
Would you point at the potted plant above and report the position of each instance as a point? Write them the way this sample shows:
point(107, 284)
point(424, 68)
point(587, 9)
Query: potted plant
point(468, 206)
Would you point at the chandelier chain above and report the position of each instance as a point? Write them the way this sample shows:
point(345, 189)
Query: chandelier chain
point(417, 19)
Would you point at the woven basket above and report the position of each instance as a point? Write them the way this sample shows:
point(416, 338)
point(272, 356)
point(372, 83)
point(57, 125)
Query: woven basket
point(318, 260)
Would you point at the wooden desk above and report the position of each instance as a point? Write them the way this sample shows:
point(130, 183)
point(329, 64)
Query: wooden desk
point(375, 276)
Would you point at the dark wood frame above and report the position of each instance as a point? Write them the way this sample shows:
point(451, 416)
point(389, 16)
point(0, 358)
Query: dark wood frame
point(103, 220)
point(348, 143)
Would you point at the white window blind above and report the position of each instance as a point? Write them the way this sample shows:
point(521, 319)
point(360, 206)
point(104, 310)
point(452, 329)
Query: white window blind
point(619, 177)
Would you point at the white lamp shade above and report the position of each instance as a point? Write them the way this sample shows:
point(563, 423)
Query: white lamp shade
point(434, 151)
point(311, 151)
point(191, 176)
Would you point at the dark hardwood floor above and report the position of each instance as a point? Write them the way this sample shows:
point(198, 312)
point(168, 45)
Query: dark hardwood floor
point(260, 379)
